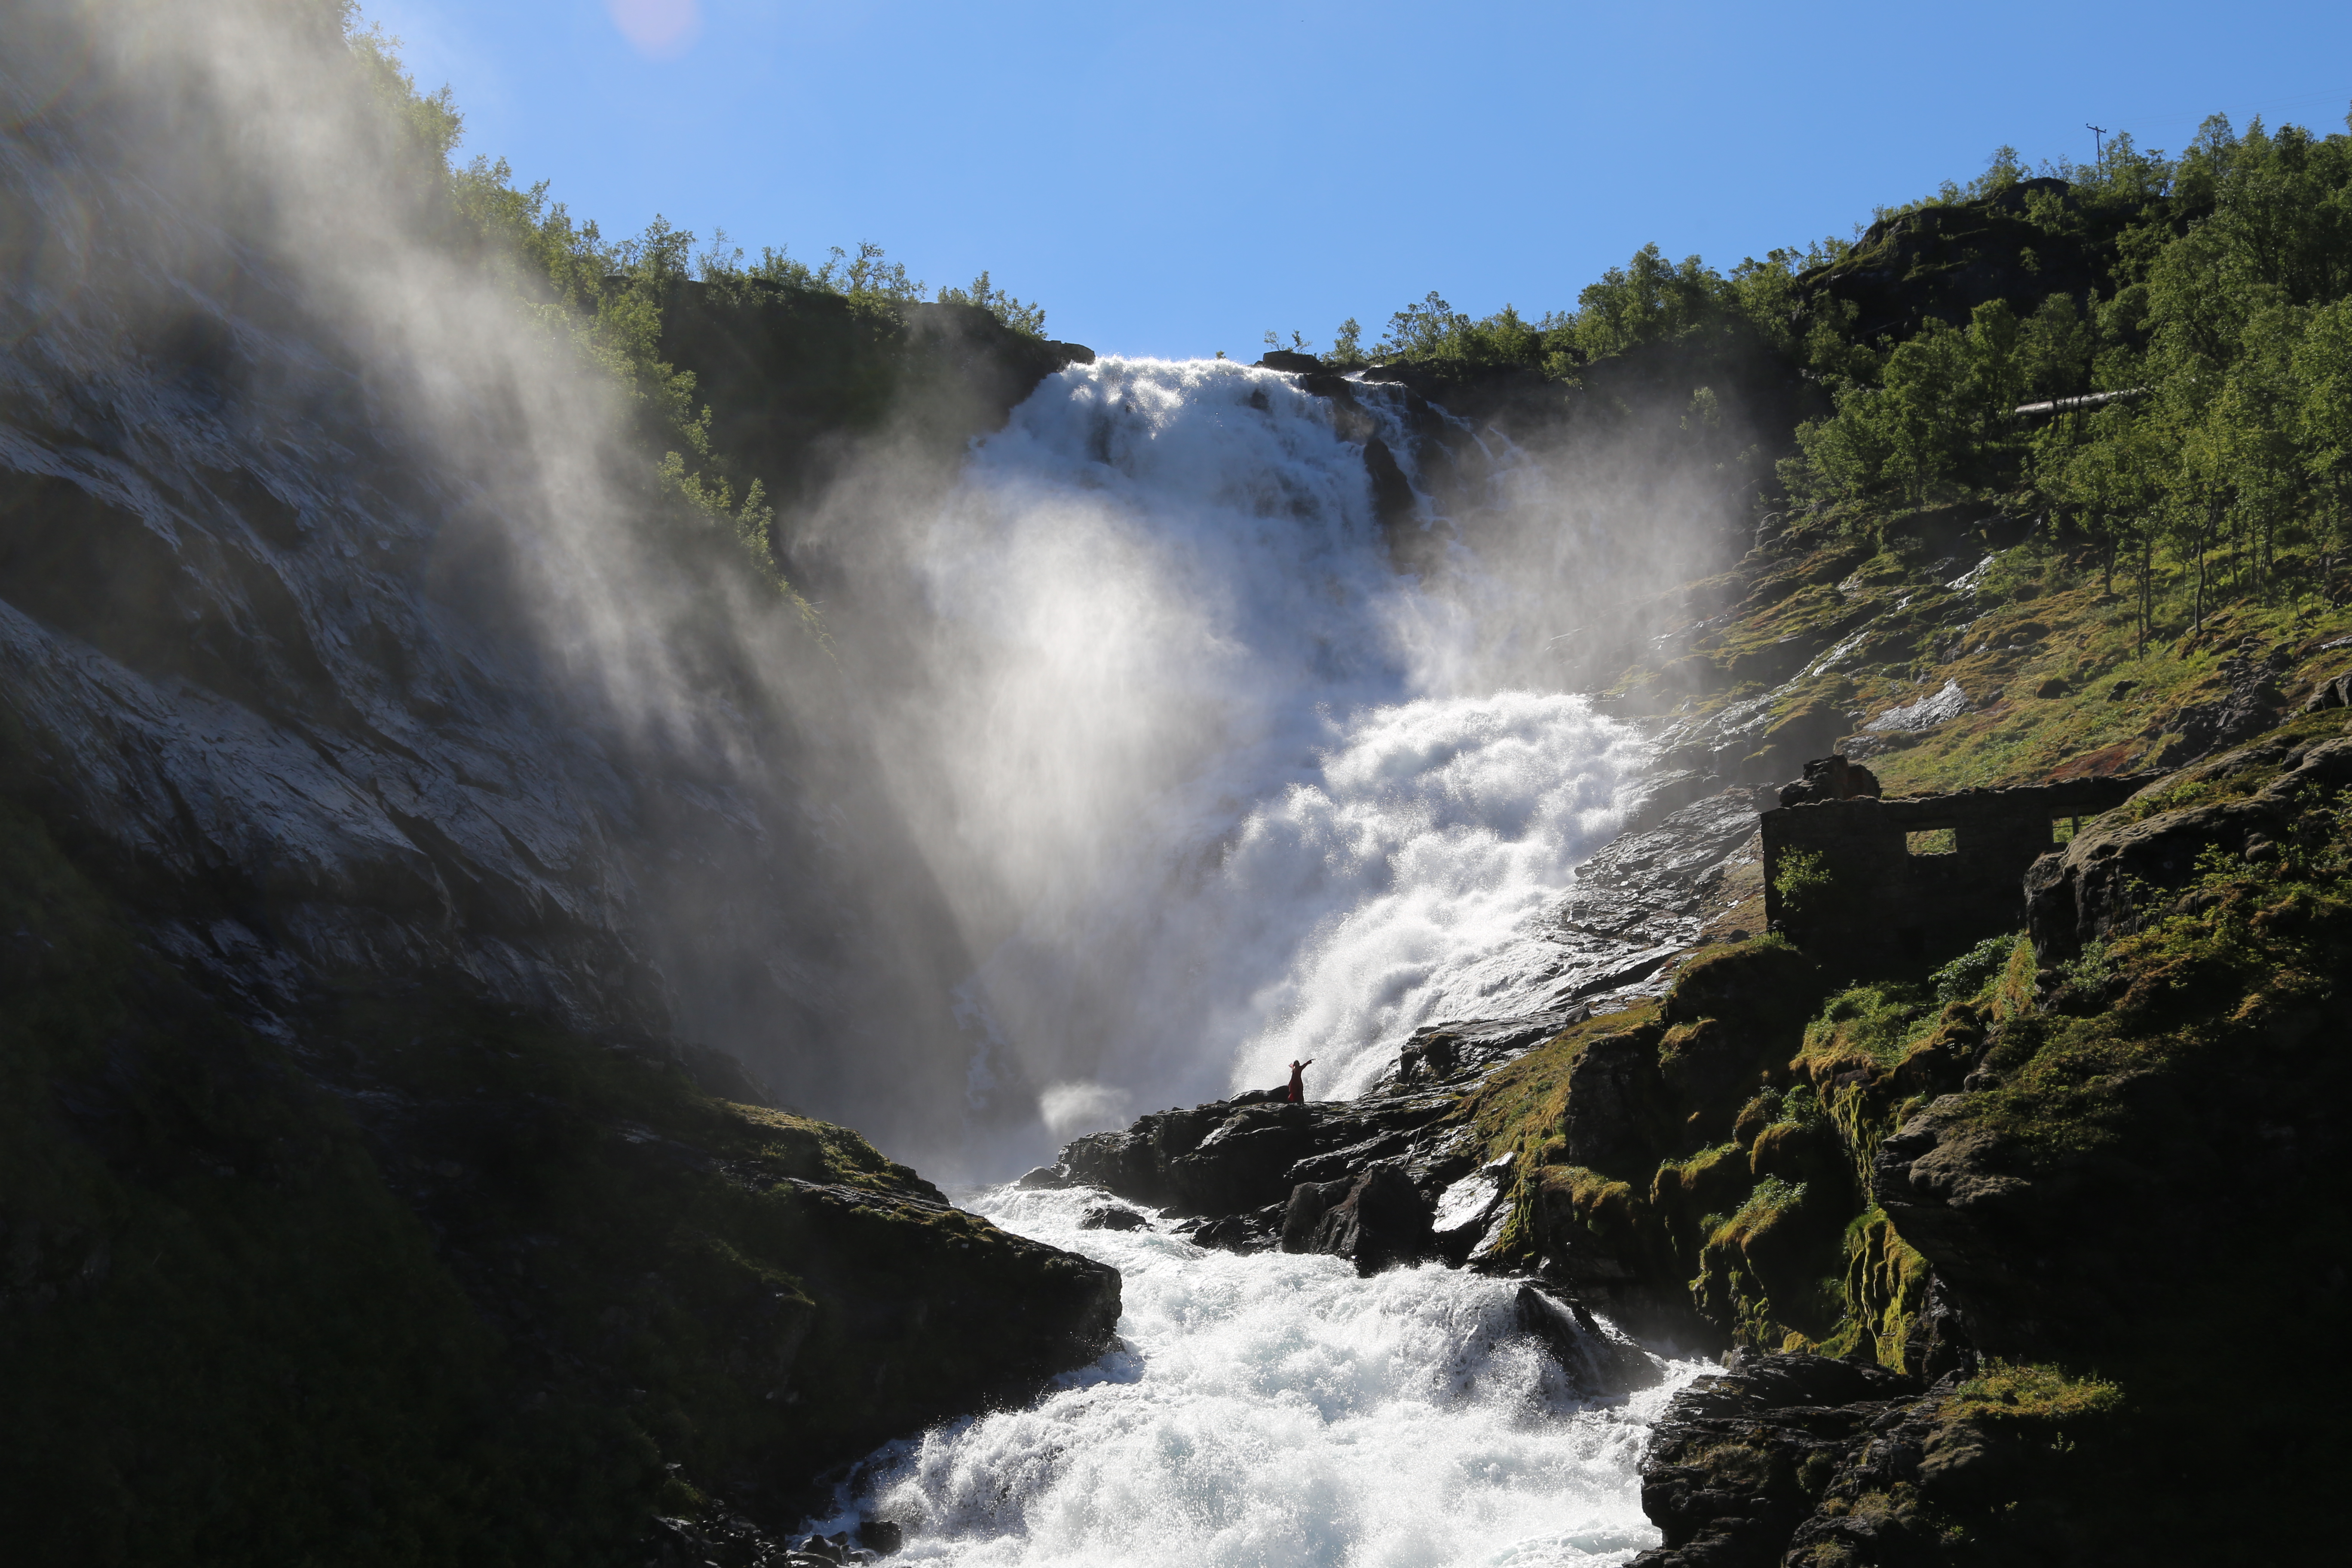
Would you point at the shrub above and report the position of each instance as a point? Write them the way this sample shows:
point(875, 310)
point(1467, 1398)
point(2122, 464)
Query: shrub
point(1804, 881)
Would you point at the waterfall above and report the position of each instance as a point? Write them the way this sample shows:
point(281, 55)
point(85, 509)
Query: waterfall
point(1211, 781)
point(1214, 784)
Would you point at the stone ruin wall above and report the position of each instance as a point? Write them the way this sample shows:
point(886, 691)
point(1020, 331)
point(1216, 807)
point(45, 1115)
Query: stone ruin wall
point(1897, 880)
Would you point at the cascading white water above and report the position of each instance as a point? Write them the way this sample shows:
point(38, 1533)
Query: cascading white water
point(1213, 785)
point(1277, 1410)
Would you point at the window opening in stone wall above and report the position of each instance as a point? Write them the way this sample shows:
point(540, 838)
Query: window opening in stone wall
point(1931, 841)
point(2062, 831)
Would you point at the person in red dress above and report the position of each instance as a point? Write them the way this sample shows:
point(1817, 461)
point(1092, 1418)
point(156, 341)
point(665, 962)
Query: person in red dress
point(1298, 1081)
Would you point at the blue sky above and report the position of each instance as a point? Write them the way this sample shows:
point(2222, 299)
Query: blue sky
point(1175, 179)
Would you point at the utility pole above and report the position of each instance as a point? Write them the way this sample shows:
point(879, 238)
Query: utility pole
point(2099, 142)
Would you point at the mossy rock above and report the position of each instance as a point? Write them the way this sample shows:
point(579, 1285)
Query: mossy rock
point(1765, 983)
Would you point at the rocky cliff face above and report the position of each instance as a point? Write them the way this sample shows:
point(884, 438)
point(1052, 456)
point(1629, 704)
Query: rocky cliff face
point(400, 799)
point(422, 1270)
point(338, 673)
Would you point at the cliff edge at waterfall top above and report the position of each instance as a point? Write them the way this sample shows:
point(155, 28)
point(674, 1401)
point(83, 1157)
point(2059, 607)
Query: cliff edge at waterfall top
point(660, 908)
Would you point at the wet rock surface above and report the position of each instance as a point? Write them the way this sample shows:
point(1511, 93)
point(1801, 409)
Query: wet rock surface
point(311, 678)
point(1601, 1361)
point(1226, 1159)
point(1641, 902)
point(1378, 1220)
point(721, 1539)
point(381, 872)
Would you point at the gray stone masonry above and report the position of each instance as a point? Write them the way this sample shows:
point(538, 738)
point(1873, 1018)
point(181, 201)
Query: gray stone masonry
point(1897, 880)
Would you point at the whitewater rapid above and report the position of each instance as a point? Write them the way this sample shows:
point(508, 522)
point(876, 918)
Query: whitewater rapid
point(1215, 784)
point(1276, 1410)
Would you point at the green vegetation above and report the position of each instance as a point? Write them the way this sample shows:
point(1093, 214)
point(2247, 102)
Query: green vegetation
point(438, 1283)
point(1803, 881)
point(2247, 962)
point(1883, 1291)
point(2221, 328)
point(1647, 305)
point(2006, 1391)
point(2198, 309)
point(611, 301)
point(2223, 335)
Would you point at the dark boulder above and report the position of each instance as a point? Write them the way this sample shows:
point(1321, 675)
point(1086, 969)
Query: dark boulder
point(1832, 778)
point(1392, 499)
point(1111, 1217)
point(1246, 1154)
point(1120, 1162)
point(2335, 693)
point(1285, 360)
point(1434, 1049)
point(1309, 1201)
point(1173, 1134)
point(2251, 706)
point(1136, 1164)
point(1246, 1163)
point(1949, 1186)
point(1375, 1222)
point(1711, 1063)
point(1254, 1232)
point(1743, 1462)
point(1598, 1361)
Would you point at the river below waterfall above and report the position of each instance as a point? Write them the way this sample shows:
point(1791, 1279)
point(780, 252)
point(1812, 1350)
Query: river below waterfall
point(1277, 1410)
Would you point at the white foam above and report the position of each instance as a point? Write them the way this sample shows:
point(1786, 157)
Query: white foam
point(1277, 1410)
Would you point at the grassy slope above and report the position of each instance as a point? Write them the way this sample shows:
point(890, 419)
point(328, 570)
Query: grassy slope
point(1829, 623)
